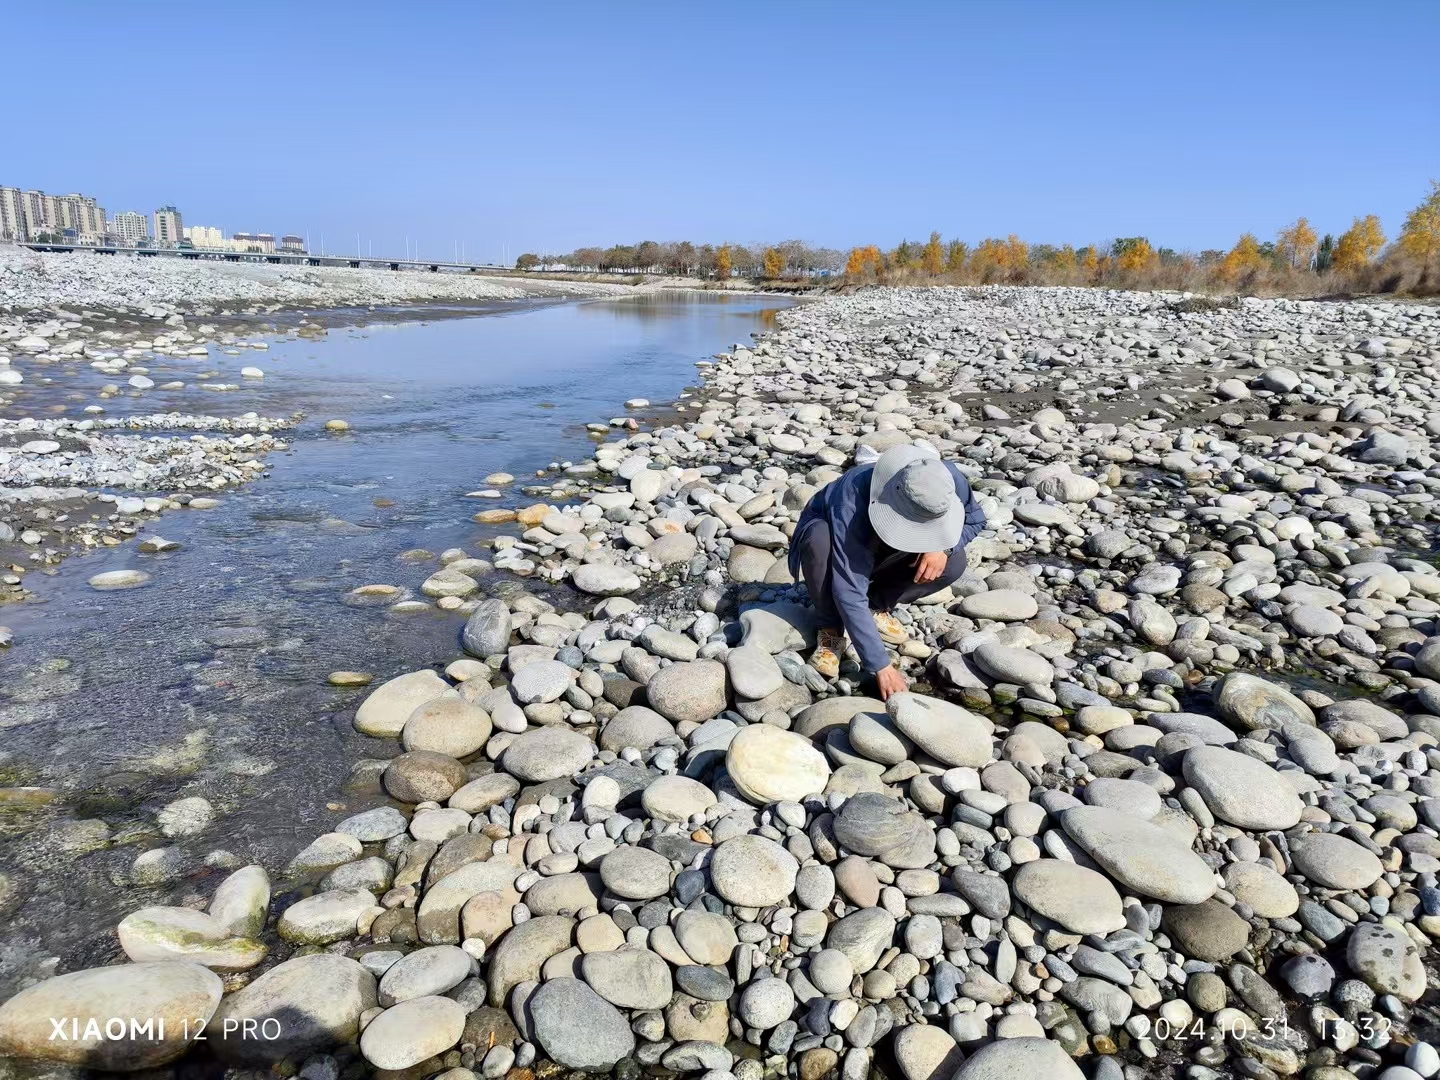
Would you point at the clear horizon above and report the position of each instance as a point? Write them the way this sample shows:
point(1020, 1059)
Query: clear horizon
point(836, 124)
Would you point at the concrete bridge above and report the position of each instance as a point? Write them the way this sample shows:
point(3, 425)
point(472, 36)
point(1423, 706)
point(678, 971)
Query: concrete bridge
point(291, 258)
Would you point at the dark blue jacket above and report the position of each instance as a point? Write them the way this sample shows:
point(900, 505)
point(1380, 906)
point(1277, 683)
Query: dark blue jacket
point(857, 552)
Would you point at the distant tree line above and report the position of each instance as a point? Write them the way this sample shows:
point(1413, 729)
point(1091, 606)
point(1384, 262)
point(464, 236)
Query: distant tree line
point(1297, 261)
point(789, 258)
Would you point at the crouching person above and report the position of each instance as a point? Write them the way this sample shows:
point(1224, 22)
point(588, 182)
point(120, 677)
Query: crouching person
point(883, 534)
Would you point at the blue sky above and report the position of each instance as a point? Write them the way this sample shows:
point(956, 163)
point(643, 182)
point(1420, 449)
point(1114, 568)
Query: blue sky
point(545, 126)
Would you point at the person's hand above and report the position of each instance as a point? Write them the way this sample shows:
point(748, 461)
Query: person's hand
point(930, 566)
point(890, 682)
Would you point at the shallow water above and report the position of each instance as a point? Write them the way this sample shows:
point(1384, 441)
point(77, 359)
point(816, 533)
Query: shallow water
point(211, 680)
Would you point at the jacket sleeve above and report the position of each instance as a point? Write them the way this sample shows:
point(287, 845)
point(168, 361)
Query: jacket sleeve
point(851, 565)
point(975, 520)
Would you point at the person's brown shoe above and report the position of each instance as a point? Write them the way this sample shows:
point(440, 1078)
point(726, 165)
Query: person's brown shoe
point(892, 632)
point(826, 657)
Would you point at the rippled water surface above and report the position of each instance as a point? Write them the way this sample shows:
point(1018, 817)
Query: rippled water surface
point(211, 680)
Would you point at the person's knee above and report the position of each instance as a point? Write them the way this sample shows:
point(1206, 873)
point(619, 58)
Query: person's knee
point(954, 569)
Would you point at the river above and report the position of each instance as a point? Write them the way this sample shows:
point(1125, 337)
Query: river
point(211, 680)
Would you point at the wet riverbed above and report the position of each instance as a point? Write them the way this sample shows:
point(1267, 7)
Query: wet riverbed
point(211, 680)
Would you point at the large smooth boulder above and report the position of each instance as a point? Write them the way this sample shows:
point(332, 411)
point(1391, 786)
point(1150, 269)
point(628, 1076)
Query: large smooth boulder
point(873, 824)
point(768, 764)
point(303, 1006)
point(164, 1007)
point(752, 871)
point(1242, 790)
point(1020, 1059)
point(158, 934)
point(951, 735)
point(412, 1031)
point(1140, 855)
point(384, 712)
point(693, 690)
point(1079, 899)
point(578, 1028)
point(1249, 702)
point(547, 753)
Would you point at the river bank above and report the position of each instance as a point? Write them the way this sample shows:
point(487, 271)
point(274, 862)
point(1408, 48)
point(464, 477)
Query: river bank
point(1168, 799)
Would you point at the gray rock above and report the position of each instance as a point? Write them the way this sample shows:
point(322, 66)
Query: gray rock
point(751, 871)
point(425, 972)
point(1250, 702)
point(383, 713)
point(1080, 900)
point(770, 765)
point(1140, 855)
point(1007, 664)
point(487, 631)
point(598, 579)
point(548, 753)
point(412, 1031)
point(578, 1028)
point(175, 993)
point(303, 1006)
point(753, 672)
point(635, 873)
point(630, 978)
point(766, 1003)
point(1333, 862)
point(948, 733)
point(862, 936)
point(1241, 790)
point(1388, 960)
point(693, 691)
point(1019, 1059)
point(543, 680)
point(872, 824)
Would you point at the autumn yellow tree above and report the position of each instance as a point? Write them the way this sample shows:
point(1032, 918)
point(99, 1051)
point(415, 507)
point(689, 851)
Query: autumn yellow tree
point(955, 256)
point(1134, 254)
point(1420, 238)
point(723, 263)
point(774, 262)
point(1092, 263)
point(1297, 244)
point(1065, 260)
point(864, 260)
point(932, 259)
point(1359, 244)
point(1244, 258)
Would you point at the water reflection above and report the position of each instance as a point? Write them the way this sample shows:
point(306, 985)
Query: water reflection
point(211, 680)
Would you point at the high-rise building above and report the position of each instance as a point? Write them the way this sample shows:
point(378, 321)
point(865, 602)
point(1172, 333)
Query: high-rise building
point(31, 215)
point(131, 227)
point(81, 216)
point(264, 242)
point(12, 215)
point(205, 236)
point(39, 213)
point(292, 243)
point(169, 226)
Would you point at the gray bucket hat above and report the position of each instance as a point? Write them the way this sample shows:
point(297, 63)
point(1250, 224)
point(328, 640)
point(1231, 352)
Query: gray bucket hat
point(913, 504)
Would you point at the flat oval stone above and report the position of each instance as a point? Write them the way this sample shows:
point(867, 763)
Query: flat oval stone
point(751, 871)
point(1079, 899)
point(1242, 790)
point(949, 734)
point(1334, 862)
point(769, 765)
point(1020, 1059)
point(175, 993)
point(412, 1031)
point(1140, 855)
